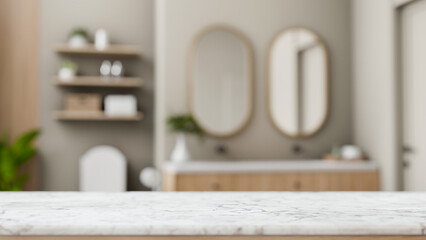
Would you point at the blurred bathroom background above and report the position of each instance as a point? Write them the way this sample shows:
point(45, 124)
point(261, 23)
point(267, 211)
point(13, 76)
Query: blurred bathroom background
point(212, 95)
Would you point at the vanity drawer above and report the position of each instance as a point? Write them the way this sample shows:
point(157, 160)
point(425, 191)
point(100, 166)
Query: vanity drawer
point(286, 181)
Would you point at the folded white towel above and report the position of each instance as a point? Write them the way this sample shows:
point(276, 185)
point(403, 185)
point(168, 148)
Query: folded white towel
point(120, 105)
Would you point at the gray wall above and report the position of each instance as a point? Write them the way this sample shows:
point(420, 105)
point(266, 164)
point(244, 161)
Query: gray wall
point(179, 21)
point(62, 143)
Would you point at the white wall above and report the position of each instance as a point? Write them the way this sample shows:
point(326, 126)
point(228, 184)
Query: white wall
point(374, 85)
point(179, 21)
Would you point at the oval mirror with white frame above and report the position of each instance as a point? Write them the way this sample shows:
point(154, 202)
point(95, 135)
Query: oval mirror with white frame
point(220, 81)
point(298, 82)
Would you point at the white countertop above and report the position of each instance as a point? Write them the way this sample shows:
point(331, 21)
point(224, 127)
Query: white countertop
point(219, 213)
point(268, 166)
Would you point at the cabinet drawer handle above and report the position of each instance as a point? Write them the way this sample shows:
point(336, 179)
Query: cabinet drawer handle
point(297, 185)
point(215, 186)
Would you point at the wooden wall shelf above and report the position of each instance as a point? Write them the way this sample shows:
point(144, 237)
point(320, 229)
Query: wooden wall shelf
point(96, 81)
point(64, 115)
point(115, 50)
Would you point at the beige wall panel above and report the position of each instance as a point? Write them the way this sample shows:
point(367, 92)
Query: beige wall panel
point(19, 48)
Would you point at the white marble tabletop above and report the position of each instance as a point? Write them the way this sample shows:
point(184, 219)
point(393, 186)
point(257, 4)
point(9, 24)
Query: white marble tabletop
point(219, 213)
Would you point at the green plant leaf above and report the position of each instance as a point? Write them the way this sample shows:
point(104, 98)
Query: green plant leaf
point(24, 156)
point(4, 140)
point(20, 182)
point(26, 138)
point(70, 65)
point(7, 165)
point(13, 157)
point(184, 123)
point(80, 32)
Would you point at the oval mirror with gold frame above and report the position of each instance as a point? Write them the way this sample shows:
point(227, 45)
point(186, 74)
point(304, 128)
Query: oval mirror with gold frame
point(220, 81)
point(298, 82)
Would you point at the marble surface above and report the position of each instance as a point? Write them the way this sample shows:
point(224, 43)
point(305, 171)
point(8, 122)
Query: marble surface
point(268, 166)
point(256, 213)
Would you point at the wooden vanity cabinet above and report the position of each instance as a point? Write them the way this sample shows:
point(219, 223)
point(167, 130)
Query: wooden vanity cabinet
point(272, 181)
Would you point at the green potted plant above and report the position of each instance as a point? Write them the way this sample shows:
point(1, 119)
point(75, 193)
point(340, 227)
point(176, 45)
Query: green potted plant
point(78, 38)
point(12, 157)
point(182, 125)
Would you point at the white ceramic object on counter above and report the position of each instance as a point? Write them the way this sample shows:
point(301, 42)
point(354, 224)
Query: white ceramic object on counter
point(351, 152)
point(103, 169)
point(120, 105)
point(101, 39)
point(180, 153)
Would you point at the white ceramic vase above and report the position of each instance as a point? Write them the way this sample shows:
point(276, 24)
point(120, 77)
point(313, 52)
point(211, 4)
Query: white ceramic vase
point(180, 152)
point(101, 39)
point(66, 74)
point(77, 41)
